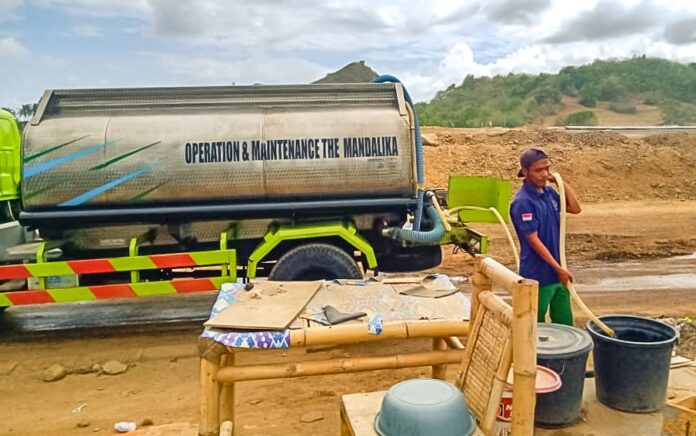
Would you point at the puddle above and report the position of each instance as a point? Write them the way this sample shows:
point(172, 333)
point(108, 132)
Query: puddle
point(678, 272)
point(656, 282)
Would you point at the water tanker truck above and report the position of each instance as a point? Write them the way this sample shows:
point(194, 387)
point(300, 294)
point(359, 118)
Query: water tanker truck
point(297, 181)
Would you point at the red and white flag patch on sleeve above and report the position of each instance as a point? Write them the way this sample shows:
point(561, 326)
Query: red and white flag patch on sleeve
point(527, 216)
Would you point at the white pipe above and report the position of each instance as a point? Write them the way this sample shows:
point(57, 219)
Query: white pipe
point(564, 264)
point(443, 217)
point(510, 239)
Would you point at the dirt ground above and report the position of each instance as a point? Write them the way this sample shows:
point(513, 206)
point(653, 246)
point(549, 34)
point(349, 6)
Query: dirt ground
point(639, 198)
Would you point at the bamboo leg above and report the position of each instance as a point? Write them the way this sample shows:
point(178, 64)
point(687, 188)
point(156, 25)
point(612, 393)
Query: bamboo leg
point(346, 429)
point(439, 371)
point(524, 338)
point(488, 420)
point(454, 343)
point(227, 391)
point(479, 283)
point(226, 428)
point(209, 424)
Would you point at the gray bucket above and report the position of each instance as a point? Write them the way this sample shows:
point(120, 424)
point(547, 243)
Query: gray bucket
point(563, 349)
point(632, 369)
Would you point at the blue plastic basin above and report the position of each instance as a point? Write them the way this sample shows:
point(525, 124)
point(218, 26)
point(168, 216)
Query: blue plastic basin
point(421, 407)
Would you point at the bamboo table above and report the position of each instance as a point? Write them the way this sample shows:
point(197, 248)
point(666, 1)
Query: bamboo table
point(219, 373)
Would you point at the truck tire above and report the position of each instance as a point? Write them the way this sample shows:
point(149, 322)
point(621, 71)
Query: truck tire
point(315, 262)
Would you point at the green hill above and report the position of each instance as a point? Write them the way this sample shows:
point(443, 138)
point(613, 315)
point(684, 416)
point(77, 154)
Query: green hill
point(355, 72)
point(623, 87)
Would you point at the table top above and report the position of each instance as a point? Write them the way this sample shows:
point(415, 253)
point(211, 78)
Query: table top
point(389, 315)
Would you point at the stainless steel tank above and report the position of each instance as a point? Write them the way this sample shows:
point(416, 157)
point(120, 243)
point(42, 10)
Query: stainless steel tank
point(124, 150)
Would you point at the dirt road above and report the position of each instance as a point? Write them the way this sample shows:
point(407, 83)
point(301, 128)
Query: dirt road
point(636, 223)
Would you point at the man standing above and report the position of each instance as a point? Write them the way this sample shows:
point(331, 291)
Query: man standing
point(536, 214)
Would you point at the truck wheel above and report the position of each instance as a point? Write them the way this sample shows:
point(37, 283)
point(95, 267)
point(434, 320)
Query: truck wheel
point(315, 262)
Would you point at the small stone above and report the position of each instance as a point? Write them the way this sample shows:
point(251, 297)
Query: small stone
point(87, 369)
point(255, 402)
point(54, 373)
point(114, 367)
point(323, 393)
point(431, 139)
point(96, 429)
point(312, 416)
point(671, 394)
point(146, 422)
point(100, 389)
point(83, 424)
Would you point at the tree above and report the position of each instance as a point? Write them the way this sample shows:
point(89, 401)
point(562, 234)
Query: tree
point(582, 118)
point(26, 111)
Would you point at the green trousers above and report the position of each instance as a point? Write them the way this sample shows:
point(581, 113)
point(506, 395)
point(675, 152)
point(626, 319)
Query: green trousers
point(556, 297)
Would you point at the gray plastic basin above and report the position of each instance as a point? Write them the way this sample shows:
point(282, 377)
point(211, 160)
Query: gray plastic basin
point(421, 407)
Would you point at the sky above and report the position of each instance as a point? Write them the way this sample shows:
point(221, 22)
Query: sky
point(428, 45)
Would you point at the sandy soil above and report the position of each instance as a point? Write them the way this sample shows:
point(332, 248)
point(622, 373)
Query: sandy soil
point(625, 219)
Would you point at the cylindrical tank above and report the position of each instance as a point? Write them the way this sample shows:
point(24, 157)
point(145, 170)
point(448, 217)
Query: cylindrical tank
point(172, 147)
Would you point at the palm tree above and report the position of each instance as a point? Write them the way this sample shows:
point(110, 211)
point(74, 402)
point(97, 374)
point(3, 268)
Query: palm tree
point(26, 111)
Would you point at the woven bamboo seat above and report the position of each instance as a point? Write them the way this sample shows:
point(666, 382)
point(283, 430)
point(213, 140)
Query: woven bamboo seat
point(481, 377)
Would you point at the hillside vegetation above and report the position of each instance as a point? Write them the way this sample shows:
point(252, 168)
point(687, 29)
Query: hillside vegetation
point(355, 72)
point(622, 87)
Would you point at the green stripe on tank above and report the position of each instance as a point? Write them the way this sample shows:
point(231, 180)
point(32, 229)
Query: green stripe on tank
point(123, 156)
point(145, 193)
point(42, 190)
point(50, 150)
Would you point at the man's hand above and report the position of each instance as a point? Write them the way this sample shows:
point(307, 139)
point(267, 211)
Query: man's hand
point(564, 276)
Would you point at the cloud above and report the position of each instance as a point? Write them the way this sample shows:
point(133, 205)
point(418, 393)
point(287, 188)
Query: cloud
point(515, 11)
point(12, 48)
point(8, 10)
point(202, 70)
point(681, 32)
point(428, 45)
point(98, 8)
point(460, 61)
point(182, 18)
point(607, 20)
point(89, 30)
point(259, 26)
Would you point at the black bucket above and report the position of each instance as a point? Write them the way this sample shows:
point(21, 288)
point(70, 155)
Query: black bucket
point(562, 349)
point(632, 369)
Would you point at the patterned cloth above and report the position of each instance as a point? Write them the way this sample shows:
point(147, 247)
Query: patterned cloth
point(239, 339)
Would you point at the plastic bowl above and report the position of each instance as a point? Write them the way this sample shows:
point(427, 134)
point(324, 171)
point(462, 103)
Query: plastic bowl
point(421, 407)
